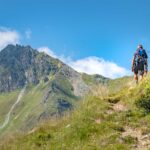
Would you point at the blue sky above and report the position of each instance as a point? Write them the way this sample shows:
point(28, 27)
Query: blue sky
point(80, 31)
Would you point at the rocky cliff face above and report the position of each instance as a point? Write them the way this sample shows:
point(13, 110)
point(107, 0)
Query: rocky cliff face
point(22, 64)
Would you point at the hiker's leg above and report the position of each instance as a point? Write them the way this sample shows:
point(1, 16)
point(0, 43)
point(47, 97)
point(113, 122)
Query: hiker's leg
point(136, 74)
point(142, 75)
point(145, 73)
point(136, 78)
point(145, 69)
point(141, 70)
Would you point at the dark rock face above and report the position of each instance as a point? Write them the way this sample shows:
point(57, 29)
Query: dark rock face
point(19, 64)
point(63, 105)
point(22, 64)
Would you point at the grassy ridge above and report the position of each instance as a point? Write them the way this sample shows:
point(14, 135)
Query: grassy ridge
point(99, 124)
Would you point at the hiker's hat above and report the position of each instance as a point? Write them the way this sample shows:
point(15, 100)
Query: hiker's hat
point(140, 46)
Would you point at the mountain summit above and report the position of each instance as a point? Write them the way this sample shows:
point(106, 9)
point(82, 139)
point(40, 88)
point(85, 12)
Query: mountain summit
point(22, 64)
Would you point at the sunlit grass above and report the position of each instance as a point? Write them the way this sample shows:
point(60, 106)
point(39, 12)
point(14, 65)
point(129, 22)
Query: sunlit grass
point(90, 126)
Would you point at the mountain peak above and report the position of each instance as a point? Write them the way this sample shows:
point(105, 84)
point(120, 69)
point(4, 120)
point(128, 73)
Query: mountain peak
point(10, 48)
point(21, 64)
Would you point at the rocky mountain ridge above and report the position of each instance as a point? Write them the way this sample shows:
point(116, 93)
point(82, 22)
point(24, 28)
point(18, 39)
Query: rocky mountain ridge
point(52, 87)
point(22, 64)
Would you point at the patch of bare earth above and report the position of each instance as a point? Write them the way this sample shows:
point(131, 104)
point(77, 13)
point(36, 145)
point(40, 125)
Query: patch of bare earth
point(143, 141)
point(118, 107)
point(98, 121)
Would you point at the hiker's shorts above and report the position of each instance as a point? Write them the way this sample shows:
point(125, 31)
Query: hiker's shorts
point(139, 69)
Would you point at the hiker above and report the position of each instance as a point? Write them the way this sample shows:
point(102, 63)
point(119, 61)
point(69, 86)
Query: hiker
point(139, 63)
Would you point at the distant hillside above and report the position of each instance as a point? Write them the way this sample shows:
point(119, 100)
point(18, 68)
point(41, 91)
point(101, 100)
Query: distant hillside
point(51, 87)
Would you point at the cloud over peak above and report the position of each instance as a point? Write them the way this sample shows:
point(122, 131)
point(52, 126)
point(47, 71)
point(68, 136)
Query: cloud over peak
point(48, 51)
point(8, 36)
point(94, 65)
point(91, 65)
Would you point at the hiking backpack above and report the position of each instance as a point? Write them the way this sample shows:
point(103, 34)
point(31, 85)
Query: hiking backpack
point(140, 56)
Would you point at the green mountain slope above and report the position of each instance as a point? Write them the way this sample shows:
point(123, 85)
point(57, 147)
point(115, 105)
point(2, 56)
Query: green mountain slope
point(52, 87)
point(116, 121)
point(35, 106)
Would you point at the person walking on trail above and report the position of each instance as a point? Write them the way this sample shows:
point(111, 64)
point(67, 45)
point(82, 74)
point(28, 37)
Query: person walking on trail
point(139, 63)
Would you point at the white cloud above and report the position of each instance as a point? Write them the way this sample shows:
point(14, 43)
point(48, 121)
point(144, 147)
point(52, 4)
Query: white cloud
point(28, 33)
point(91, 65)
point(95, 65)
point(47, 51)
point(8, 36)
